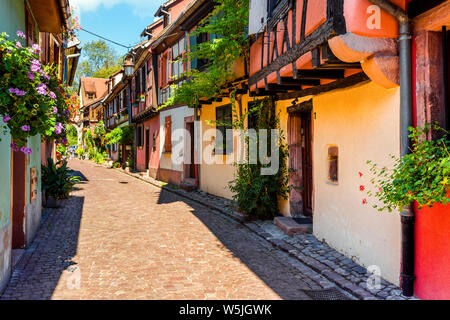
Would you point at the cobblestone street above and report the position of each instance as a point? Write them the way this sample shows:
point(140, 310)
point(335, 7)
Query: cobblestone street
point(121, 238)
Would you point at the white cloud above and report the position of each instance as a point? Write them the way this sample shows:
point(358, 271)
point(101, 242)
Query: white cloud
point(140, 7)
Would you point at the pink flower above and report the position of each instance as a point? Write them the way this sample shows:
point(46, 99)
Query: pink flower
point(52, 95)
point(55, 110)
point(35, 66)
point(26, 128)
point(18, 44)
point(36, 48)
point(26, 150)
point(21, 34)
point(42, 89)
point(58, 128)
point(6, 118)
point(14, 146)
point(31, 75)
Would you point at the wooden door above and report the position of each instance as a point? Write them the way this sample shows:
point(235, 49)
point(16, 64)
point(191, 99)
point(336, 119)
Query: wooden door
point(300, 164)
point(307, 164)
point(147, 149)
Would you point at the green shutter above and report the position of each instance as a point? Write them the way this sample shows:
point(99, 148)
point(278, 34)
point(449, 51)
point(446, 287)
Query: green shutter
point(192, 45)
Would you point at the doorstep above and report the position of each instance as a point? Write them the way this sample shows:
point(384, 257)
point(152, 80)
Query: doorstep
point(291, 227)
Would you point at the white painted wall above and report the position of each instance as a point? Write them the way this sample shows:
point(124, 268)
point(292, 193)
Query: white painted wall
point(174, 161)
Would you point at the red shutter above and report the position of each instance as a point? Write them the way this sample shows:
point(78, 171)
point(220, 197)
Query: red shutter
point(160, 71)
point(168, 134)
point(170, 65)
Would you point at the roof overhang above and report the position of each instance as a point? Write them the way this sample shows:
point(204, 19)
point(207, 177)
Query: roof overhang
point(50, 15)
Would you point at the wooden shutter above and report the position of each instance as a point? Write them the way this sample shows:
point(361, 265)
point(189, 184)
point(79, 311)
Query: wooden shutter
point(168, 134)
point(169, 65)
point(192, 45)
point(160, 73)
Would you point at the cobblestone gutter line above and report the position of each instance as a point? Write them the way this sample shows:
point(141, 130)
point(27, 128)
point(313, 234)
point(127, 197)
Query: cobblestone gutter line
point(307, 249)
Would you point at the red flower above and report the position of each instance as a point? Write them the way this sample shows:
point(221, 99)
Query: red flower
point(409, 194)
point(362, 188)
point(360, 174)
point(364, 201)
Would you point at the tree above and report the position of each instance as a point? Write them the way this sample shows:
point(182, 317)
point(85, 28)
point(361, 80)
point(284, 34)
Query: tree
point(100, 60)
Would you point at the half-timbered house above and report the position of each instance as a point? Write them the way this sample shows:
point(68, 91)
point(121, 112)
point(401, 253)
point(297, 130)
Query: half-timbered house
point(333, 67)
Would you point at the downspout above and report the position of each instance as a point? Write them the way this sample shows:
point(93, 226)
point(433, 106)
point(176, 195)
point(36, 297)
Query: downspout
point(406, 121)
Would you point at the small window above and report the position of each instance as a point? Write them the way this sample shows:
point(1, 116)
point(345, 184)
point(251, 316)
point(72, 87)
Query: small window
point(224, 117)
point(333, 164)
point(90, 96)
point(154, 142)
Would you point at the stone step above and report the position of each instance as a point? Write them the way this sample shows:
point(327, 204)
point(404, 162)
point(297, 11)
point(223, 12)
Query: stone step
point(290, 227)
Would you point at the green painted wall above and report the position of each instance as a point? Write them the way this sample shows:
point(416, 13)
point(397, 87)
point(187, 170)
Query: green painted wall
point(12, 18)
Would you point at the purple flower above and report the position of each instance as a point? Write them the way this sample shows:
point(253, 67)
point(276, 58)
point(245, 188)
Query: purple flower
point(6, 118)
point(14, 146)
point(9, 51)
point(31, 75)
point(21, 34)
point(17, 92)
point(20, 93)
point(35, 66)
point(42, 89)
point(43, 74)
point(26, 128)
point(18, 44)
point(59, 128)
point(52, 95)
point(26, 150)
point(55, 110)
point(36, 48)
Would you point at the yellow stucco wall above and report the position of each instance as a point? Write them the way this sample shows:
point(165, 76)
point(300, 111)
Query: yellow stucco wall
point(214, 178)
point(363, 121)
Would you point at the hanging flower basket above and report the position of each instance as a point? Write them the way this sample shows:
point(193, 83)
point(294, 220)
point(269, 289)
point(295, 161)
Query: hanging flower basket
point(32, 99)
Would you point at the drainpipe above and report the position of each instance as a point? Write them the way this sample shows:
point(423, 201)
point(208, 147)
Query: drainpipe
point(407, 215)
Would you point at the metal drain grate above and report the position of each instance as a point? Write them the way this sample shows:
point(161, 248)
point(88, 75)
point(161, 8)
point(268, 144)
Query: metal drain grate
point(327, 294)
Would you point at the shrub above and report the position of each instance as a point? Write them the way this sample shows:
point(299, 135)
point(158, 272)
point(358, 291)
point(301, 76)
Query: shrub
point(57, 179)
point(423, 176)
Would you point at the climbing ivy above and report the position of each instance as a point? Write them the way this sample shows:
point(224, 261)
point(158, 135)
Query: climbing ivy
point(227, 27)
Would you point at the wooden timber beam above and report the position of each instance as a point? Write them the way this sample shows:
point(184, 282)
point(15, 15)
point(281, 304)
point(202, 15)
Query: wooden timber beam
point(317, 74)
point(338, 84)
point(299, 81)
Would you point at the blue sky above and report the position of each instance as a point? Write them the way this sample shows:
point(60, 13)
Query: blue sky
point(118, 20)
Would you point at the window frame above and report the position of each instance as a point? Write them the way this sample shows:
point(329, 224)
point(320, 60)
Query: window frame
point(223, 114)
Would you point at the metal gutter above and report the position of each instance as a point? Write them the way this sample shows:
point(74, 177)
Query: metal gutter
point(406, 121)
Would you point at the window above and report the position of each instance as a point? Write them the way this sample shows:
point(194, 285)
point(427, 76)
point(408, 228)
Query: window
point(277, 9)
point(143, 80)
point(177, 59)
point(201, 63)
point(333, 164)
point(224, 117)
point(168, 135)
point(90, 96)
point(140, 136)
point(154, 142)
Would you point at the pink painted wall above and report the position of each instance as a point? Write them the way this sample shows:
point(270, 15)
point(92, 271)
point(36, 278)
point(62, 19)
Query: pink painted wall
point(152, 124)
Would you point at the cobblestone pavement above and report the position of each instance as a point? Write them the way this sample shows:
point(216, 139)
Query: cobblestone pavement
point(320, 257)
point(121, 238)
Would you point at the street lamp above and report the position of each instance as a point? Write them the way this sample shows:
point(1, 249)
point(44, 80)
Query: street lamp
point(129, 68)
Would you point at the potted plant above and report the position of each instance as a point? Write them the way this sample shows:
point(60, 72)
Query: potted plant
point(142, 97)
point(57, 182)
